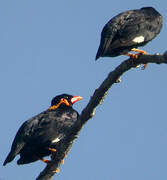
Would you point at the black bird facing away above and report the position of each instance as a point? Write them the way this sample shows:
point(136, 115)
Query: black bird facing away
point(129, 30)
point(40, 136)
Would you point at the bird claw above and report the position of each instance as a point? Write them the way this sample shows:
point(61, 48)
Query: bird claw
point(140, 53)
point(133, 56)
point(62, 161)
point(139, 50)
point(45, 161)
point(52, 150)
point(57, 170)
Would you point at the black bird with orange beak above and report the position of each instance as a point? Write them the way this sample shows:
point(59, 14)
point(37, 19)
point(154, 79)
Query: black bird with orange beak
point(40, 136)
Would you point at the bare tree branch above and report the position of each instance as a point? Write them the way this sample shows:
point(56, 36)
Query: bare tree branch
point(89, 110)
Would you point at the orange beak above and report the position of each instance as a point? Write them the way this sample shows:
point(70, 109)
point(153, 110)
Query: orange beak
point(75, 99)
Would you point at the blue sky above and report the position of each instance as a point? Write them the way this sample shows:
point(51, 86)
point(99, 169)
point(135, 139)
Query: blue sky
point(48, 48)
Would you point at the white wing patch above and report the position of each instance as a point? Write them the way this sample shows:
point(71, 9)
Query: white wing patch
point(138, 39)
point(55, 140)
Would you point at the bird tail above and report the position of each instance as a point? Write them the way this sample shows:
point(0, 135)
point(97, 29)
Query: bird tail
point(103, 48)
point(9, 158)
point(98, 53)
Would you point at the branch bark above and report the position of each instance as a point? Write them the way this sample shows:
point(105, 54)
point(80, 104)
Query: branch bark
point(89, 111)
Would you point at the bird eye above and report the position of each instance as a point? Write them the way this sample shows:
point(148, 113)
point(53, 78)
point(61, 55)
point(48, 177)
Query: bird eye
point(67, 97)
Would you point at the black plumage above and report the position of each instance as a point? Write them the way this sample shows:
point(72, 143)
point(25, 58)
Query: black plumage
point(44, 131)
point(129, 30)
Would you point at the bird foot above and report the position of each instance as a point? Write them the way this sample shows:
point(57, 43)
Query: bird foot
point(52, 150)
point(136, 56)
point(48, 161)
point(57, 170)
point(133, 56)
point(139, 50)
point(45, 161)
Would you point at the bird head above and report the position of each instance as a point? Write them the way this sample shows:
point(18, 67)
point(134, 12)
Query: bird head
point(64, 100)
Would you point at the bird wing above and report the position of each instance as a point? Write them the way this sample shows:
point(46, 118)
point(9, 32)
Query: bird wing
point(116, 31)
point(47, 129)
point(132, 26)
point(54, 126)
point(139, 24)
